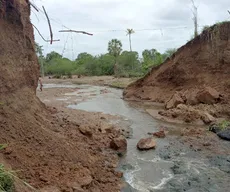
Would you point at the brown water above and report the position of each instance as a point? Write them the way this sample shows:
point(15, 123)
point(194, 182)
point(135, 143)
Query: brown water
point(175, 168)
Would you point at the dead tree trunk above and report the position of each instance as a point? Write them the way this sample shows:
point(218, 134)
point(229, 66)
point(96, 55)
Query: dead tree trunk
point(195, 18)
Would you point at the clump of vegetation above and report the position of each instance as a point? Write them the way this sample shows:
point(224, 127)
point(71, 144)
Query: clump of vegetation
point(224, 124)
point(6, 180)
point(6, 177)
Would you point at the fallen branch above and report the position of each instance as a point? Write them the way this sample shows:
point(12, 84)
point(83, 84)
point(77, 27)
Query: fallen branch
point(42, 36)
point(83, 32)
point(51, 33)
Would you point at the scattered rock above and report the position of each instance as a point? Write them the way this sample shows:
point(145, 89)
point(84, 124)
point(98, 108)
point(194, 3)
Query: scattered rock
point(207, 118)
point(183, 107)
point(119, 144)
point(86, 180)
point(208, 96)
point(160, 134)
point(109, 129)
point(175, 100)
point(43, 178)
point(190, 97)
point(85, 130)
point(119, 174)
point(225, 134)
point(7, 151)
point(207, 144)
point(146, 144)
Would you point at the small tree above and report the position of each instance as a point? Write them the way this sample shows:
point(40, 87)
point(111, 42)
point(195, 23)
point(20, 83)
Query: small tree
point(129, 32)
point(115, 49)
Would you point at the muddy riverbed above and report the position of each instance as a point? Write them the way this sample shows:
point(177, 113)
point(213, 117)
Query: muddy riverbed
point(196, 161)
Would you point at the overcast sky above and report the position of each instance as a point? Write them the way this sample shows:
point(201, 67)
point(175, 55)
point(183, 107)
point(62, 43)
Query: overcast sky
point(159, 24)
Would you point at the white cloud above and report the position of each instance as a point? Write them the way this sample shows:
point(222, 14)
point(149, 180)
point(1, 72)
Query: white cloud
point(102, 16)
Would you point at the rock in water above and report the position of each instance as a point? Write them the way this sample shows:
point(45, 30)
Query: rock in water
point(119, 144)
point(146, 144)
point(224, 134)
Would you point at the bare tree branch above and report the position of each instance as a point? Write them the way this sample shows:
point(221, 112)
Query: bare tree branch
point(42, 36)
point(228, 11)
point(83, 32)
point(51, 33)
point(193, 3)
point(34, 6)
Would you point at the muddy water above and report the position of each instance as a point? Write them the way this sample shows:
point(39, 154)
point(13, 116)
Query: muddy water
point(172, 166)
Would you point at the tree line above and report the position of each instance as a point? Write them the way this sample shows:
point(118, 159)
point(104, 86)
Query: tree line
point(115, 62)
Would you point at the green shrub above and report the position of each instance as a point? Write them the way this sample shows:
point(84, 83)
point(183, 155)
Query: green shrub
point(6, 177)
point(6, 180)
point(224, 124)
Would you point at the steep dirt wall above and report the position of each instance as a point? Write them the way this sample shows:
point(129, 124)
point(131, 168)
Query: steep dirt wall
point(19, 67)
point(204, 61)
point(45, 148)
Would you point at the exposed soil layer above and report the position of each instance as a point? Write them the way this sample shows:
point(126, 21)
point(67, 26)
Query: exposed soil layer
point(50, 150)
point(201, 63)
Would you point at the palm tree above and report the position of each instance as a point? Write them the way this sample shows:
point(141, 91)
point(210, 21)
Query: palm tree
point(115, 48)
point(129, 32)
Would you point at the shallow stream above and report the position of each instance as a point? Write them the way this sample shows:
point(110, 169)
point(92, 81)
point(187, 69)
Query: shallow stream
point(171, 167)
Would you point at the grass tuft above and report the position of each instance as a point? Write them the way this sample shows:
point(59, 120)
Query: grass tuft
point(224, 124)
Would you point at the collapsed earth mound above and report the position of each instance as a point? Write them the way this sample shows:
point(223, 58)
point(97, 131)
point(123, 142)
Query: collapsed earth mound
point(47, 151)
point(201, 64)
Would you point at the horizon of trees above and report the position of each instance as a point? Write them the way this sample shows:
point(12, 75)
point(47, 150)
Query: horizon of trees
point(116, 61)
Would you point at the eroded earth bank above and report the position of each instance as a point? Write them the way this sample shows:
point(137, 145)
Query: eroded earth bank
point(49, 151)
